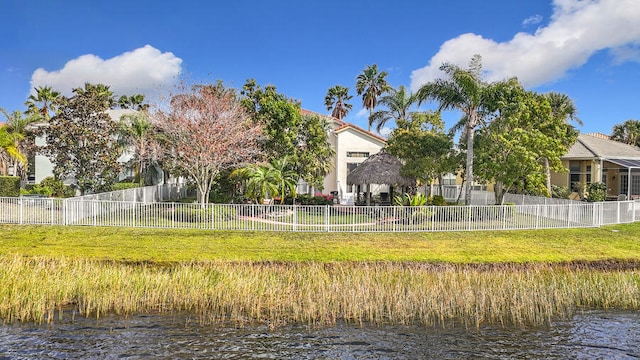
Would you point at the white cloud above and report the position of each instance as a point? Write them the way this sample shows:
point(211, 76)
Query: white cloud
point(362, 113)
point(532, 20)
point(145, 70)
point(577, 30)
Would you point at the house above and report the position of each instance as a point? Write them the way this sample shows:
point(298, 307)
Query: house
point(597, 158)
point(352, 145)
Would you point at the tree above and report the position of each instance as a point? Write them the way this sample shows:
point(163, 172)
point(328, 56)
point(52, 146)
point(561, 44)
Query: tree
point(524, 134)
point(17, 128)
point(371, 84)
point(43, 103)
point(135, 102)
point(206, 131)
point(9, 152)
point(278, 115)
point(398, 103)
point(81, 140)
point(314, 154)
point(563, 109)
point(464, 90)
point(426, 150)
point(628, 132)
point(138, 134)
point(336, 101)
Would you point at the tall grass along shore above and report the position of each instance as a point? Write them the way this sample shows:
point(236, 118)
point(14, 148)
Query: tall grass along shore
point(389, 285)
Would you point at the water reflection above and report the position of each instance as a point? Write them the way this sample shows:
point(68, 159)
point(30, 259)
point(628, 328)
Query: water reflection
point(594, 334)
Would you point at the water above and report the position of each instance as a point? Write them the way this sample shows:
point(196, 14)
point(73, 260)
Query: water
point(589, 335)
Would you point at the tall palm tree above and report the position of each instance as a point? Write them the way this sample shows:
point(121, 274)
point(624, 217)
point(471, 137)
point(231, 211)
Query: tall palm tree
point(564, 109)
point(336, 101)
point(371, 84)
point(464, 90)
point(43, 103)
point(286, 177)
point(628, 132)
point(398, 103)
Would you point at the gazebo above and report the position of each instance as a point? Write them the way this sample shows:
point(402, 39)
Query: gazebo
point(382, 169)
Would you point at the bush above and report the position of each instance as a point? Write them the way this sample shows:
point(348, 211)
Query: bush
point(49, 186)
point(125, 186)
point(196, 214)
point(597, 192)
point(305, 199)
point(437, 200)
point(9, 186)
point(560, 192)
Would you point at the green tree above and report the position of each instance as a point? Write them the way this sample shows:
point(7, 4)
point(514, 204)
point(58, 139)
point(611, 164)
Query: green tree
point(9, 152)
point(463, 90)
point(336, 101)
point(138, 135)
point(512, 150)
point(278, 115)
point(135, 102)
point(628, 132)
point(17, 126)
point(314, 153)
point(398, 103)
point(563, 109)
point(43, 103)
point(426, 150)
point(81, 140)
point(371, 84)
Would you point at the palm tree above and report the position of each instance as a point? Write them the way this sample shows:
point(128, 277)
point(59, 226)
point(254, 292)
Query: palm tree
point(9, 149)
point(336, 101)
point(464, 90)
point(286, 178)
point(261, 181)
point(136, 131)
point(371, 84)
point(562, 108)
point(628, 132)
point(43, 103)
point(17, 128)
point(398, 103)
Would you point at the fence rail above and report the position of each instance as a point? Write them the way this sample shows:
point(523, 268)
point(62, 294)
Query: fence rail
point(83, 212)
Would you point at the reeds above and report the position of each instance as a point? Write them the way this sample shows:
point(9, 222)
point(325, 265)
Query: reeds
point(35, 289)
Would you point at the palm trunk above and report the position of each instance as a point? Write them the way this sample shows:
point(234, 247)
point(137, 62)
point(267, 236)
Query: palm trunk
point(471, 126)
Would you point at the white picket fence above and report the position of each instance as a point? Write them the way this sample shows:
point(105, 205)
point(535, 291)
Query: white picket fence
point(83, 212)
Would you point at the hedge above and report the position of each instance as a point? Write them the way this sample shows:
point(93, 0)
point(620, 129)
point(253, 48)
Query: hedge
point(9, 186)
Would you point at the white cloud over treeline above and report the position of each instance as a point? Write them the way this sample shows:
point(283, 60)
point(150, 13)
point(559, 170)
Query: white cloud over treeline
point(145, 70)
point(577, 30)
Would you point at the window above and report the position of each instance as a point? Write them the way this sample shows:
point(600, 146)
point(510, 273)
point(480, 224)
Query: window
point(588, 174)
point(351, 167)
point(449, 179)
point(574, 175)
point(357, 154)
point(624, 183)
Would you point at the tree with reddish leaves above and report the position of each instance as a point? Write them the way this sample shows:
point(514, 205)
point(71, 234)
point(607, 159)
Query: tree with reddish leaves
point(206, 130)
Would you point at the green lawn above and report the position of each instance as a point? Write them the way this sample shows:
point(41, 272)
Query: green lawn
point(618, 242)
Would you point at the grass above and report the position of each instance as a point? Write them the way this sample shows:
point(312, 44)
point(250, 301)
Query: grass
point(617, 242)
point(502, 277)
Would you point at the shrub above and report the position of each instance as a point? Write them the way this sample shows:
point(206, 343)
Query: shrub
point(125, 185)
point(196, 214)
point(437, 200)
point(410, 200)
point(318, 199)
point(50, 186)
point(597, 191)
point(560, 192)
point(9, 186)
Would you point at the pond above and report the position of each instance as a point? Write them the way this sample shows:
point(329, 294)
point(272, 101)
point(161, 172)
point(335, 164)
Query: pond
point(590, 334)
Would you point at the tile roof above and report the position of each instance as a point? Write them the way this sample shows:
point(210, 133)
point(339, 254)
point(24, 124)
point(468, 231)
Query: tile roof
point(340, 125)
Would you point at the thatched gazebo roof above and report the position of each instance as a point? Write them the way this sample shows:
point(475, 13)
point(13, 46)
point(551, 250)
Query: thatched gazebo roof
point(382, 169)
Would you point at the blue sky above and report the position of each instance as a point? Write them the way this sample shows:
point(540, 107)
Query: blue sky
point(588, 49)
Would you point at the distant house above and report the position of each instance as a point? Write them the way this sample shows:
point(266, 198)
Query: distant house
point(352, 145)
point(597, 158)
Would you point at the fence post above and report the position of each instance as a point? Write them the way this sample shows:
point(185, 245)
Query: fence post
point(569, 216)
point(21, 201)
point(326, 217)
point(295, 216)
